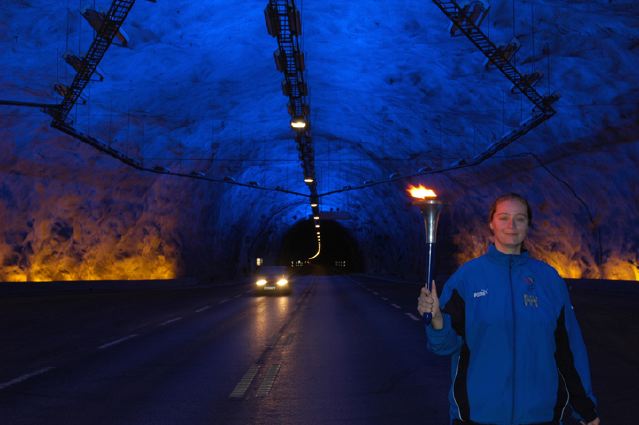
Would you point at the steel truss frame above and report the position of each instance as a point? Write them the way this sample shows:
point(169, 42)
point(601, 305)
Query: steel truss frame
point(283, 22)
point(114, 18)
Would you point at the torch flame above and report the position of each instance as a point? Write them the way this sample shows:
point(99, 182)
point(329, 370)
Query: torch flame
point(421, 192)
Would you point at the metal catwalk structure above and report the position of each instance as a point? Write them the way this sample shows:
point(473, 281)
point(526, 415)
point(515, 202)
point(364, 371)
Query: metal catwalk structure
point(283, 21)
point(111, 23)
point(498, 56)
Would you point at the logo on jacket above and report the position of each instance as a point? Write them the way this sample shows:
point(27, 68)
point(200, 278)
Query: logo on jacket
point(481, 293)
point(531, 300)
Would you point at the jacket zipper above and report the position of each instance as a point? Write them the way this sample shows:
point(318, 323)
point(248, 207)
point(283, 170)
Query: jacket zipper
point(512, 305)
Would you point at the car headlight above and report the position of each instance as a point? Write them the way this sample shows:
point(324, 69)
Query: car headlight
point(282, 282)
point(261, 282)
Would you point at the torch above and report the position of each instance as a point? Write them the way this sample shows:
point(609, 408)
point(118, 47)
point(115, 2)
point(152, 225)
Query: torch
point(430, 207)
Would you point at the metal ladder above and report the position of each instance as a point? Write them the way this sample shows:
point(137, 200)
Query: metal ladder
point(104, 37)
point(496, 56)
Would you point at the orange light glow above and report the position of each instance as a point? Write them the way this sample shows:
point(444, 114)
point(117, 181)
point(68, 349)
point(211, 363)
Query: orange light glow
point(136, 268)
point(568, 255)
point(421, 192)
point(134, 256)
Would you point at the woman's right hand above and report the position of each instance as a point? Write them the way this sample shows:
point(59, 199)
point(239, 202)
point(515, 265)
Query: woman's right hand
point(428, 302)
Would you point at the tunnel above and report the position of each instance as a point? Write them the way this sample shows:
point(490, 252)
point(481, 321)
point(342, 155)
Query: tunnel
point(154, 154)
point(116, 166)
point(338, 251)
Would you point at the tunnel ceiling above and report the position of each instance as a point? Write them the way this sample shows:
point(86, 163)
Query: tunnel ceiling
point(391, 94)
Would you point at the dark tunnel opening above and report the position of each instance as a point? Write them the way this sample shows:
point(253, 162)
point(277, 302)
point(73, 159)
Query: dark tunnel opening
point(339, 250)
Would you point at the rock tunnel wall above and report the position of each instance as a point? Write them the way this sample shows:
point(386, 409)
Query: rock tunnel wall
point(70, 213)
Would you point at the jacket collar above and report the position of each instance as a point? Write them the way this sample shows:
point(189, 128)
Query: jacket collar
point(502, 258)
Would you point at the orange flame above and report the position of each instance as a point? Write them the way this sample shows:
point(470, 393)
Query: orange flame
point(421, 192)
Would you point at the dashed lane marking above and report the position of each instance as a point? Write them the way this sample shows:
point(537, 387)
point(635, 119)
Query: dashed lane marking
point(117, 341)
point(168, 322)
point(412, 316)
point(396, 306)
point(245, 382)
point(201, 309)
point(223, 301)
point(24, 377)
point(269, 380)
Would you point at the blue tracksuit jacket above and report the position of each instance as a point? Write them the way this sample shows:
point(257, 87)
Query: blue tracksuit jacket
point(518, 356)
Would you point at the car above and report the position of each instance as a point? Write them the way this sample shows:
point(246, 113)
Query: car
point(273, 280)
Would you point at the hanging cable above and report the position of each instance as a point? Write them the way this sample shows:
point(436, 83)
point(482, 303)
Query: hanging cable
point(595, 227)
point(532, 27)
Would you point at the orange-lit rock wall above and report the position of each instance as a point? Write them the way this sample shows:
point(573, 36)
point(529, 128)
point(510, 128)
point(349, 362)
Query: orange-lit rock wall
point(69, 212)
point(563, 234)
point(67, 230)
point(570, 257)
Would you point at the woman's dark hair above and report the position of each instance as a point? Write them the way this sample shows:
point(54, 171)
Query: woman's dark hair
point(509, 196)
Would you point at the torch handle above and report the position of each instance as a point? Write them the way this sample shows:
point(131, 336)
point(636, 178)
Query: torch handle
point(430, 271)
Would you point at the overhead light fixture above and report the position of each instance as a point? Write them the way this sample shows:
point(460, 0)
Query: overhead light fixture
point(298, 122)
point(316, 217)
point(280, 60)
point(317, 226)
point(473, 13)
point(272, 21)
point(294, 21)
point(308, 180)
point(313, 204)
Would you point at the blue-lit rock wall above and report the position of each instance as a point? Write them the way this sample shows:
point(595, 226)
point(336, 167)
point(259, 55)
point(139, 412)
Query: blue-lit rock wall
point(390, 91)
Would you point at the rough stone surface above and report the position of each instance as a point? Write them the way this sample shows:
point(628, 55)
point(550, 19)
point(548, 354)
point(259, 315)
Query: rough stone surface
point(390, 92)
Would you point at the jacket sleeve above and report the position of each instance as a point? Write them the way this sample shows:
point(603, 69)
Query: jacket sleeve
point(572, 359)
point(448, 340)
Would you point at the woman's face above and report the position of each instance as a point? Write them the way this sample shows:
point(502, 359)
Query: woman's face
point(509, 225)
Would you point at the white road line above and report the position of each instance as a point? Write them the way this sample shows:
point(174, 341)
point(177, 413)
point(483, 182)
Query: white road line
point(385, 298)
point(375, 293)
point(396, 306)
point(223, 301)
point(269, 380)
point(201, 309)
point(24, 377)
point(168, 322)
point(117, 341)
point(245, 382)
point(412, 316)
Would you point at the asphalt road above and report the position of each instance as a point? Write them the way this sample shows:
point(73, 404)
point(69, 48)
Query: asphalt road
point(339, 350)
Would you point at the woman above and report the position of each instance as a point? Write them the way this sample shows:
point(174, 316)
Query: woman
point(517, 352)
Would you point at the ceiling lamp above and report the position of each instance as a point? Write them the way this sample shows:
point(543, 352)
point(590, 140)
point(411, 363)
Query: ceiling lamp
point(298, 123)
